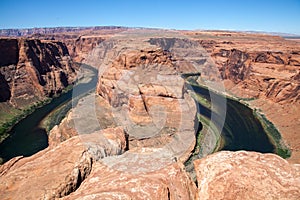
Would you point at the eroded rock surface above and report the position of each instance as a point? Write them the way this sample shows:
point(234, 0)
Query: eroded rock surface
point(171, 182)
point(246, 175)
point(246, 68)
point(80, 47)
point(253, 65)
point(32, 70)
point(148, 96)
point(263, 71)
point(58, 171)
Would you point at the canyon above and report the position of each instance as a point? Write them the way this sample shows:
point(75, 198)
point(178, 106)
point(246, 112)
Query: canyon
point(32, 71)
point(133, 136)
point(263, 71)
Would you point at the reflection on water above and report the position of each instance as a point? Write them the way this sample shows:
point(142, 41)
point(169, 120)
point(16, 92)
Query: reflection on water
point(242, 130)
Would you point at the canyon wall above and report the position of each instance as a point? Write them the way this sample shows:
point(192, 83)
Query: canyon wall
point(272, 75)
point(80, 47)
point(31, 70)
point(255, 66)
point(80, 41)
point(263, 72)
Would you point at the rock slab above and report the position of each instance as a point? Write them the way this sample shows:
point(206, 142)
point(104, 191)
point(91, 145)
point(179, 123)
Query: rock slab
point(246, 175)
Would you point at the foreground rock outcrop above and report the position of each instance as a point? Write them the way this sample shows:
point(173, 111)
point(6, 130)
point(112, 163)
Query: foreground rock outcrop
point(247, 175)
point(169, 183)
point(69, 171)
point(32, 70)
point(68, 167)
point(58, 171)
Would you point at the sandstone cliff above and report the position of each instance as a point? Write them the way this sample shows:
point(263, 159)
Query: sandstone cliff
point(279, 80)
point(258, 66)
point(263, 71)
point(79, 43)
point(80, 47)
point(32, 70)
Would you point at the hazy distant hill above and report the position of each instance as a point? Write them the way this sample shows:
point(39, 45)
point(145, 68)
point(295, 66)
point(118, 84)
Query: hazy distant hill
point(30, 31)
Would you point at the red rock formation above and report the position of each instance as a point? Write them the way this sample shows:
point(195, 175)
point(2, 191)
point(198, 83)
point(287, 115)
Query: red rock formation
point(171, 182)
point(67, 128)
point(241, 66)
point(58, 171)
point(80, 47)
point(236, 67)
point(264, 71)
point(32, 70)
point(63, 131)
point(79, 41)
point(74, 175)
point(246, 175)
point(146, 86)
point(257, 65)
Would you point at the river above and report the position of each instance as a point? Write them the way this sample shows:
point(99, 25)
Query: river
point(28, 137)
point(241, 131)
point(244, 128)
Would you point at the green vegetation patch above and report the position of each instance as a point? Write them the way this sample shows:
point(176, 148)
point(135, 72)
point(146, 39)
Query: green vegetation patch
point(281, 149)
point(11, 116)
point(55, 117)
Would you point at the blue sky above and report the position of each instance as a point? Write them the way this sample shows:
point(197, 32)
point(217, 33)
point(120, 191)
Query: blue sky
point(255, 15)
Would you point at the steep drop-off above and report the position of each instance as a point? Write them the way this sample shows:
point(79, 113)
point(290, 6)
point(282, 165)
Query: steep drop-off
point(244, 68)
point(31, 71)
point(263, 72)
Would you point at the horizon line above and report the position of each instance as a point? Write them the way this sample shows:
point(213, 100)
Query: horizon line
point(163, 28)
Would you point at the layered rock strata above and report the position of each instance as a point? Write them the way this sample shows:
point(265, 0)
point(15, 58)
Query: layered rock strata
point(32, 70)
point(263, 72)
